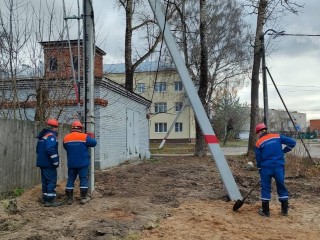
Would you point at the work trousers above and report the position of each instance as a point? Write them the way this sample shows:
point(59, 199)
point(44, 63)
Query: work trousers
point(49, 183)
point(83, 176)
point(266, 175)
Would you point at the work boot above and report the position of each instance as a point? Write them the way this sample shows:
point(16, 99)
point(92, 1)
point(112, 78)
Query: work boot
point(41, 200)
point(84, 196)
point(52, 203)
point(264, 211)
point(284, 208)
point(69, 194)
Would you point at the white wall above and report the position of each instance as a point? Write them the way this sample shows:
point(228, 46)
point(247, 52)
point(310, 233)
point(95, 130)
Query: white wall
point(112, 124)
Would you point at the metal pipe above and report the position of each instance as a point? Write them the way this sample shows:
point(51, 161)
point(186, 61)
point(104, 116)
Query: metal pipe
point(264, 81)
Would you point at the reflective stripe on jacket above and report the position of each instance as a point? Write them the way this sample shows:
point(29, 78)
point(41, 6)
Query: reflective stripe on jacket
point(269, 152)
point(47, 149)
point(76, 144)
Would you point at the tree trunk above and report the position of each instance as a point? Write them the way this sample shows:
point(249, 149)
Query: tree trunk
point(200, 147)
point(255, 76)
point(42, 98)
point(128, 47)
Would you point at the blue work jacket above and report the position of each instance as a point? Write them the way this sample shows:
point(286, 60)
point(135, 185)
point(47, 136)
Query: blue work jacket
point(47, 149)
point(269, 151)
point(76, 144)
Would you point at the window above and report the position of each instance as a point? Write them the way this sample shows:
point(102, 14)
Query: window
point(160, 107)
point(178, 106)
point(53, 64)
point(178, 86)
point(160, 87)
point(160, 127)
point(75, 63)
point(140, 88)
point(178, 126)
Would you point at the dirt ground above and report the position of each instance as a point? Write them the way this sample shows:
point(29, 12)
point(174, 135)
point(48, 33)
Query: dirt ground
point(170, 198)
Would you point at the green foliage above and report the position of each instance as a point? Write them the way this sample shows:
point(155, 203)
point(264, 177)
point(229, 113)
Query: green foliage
point(18, 192)
point(229, 115)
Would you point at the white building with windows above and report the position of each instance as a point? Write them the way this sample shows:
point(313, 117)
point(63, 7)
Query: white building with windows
point(163, 87)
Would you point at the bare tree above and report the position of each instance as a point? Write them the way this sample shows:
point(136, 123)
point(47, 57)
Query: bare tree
point(143, 22)
point(266, 11)
point(15, 32)
point(218, 40)
point(200, 149)
point(23, 26)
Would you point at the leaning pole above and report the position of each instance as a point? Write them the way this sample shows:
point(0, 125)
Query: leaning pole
point(206, 128)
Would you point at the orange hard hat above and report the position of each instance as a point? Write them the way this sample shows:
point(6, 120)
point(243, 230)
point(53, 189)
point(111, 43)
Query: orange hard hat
point(260, 126)
point(76, 124)
point(52, 122)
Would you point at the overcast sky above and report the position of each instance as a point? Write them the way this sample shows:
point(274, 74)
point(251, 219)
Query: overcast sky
point(295, 66)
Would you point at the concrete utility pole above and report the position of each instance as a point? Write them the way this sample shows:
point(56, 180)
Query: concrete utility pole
point(264, 81)
point(210, 137)
point(88, 78)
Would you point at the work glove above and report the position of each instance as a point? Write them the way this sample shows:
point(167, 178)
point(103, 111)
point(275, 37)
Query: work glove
point(90, 134)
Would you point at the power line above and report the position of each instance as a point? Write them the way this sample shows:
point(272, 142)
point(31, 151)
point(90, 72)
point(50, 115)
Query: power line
point(282, 33)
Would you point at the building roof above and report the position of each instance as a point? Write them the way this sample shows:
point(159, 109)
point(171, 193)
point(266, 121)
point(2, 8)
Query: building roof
point(65, 42)
point(23, 71)
point(147, 66)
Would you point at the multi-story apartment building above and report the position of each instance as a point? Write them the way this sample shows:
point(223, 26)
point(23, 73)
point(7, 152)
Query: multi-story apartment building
point(279, 121)
point(161, 85)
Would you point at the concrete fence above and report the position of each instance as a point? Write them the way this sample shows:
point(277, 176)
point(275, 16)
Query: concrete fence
point(18, 154)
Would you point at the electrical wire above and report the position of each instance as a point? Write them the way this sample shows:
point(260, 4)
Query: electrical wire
point(282, 33)
point(75, 83)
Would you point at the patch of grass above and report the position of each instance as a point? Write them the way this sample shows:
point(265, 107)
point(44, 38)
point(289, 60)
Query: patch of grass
point(188, 148)
point(17, 192)
point(236, 143)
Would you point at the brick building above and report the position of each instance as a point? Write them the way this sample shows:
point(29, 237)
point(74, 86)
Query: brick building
point(315, 126)
point(57, 59)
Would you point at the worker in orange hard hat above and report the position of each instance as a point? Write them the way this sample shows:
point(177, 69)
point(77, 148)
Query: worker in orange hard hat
point(270, 160)
point(48, 161)
point(76, 144)
point(52, 122)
